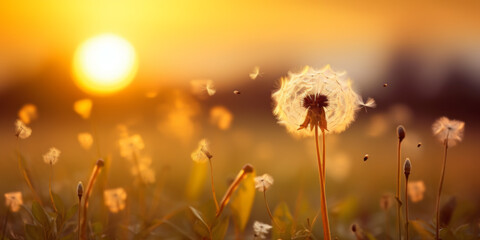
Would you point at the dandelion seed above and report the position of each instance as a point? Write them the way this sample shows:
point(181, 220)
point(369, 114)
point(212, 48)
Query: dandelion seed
point(199, 86)
point(21, 130)
point(14, 201)
point(85, 139)
point(323, 89)
point(236, 92)
point(130, 145)
point(115, 199)
point(83, 107)
point(365, 158)
point(263, 183)
point(261, 230)
point(369, 103)
point(255, 72)
point(201, 154)
point(385, 85)
point(448, 130)
point(27, 113)
point(416, 190)
point(51, 157)
point(419, 144)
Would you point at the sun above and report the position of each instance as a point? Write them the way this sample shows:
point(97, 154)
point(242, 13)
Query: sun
point(104, 64)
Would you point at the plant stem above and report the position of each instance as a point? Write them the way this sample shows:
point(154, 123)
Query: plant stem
point(268, 208)
point(397, 195)
point(437, 236)
point(79, 214)
point(4, 228)
point(213, 187)
point(406, 206)
point(324, 155)
point(50, 189)
point(91, 182)
point(323, 202)
point(26, 176)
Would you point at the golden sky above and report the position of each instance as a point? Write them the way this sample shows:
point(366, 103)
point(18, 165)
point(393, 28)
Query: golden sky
point(181, 40)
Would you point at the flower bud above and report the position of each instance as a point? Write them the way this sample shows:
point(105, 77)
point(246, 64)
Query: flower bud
point(80, 189)
point(407, 167)
point(400, 132)
point(100, 162)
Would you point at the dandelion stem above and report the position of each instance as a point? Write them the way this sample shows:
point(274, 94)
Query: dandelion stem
point(406, 206)
point(324, 154)
point(79, 215)
point(213, 187)
point(26, 176)
point(231, 189)
point(91, 182)
point(268, 208)
point(141, 192)
point(4, 227)
point(50, 192)
point(397, 195)
point(437, 230)
point(323, 202)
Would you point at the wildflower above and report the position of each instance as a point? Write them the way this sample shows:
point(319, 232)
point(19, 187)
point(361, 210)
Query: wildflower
point(260, 230)
point(262, 183)
point(21, 130)
point(83, 107)
point(416, 189)
point(201, 154)
point(314, 97)
point(51, 157)
point(129, 145)
point(386, 202)
point(221, 117)
point(255, 72)
point(13, 200)
point(448, 130)
point(27, 113)
point(85, 139)
point(115, 199)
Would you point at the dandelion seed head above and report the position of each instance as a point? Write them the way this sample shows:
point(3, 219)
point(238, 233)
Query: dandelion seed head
point(85, 139)
point(261, 230)
point(83, 107)
point(202, 152)
point(255, 72)
point(144, 170)
point(51, 157)
point(28, 113)
point(445, 129)
point(14, 201)
point(115, 199)
point(289, 100)
point(21, 130)
point(221, 117)
point(264, 182)
point(416, 190)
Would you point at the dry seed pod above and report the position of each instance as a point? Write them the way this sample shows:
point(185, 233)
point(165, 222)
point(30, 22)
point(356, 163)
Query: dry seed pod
point(80, 189)
point(400, 133)
point(407, 167)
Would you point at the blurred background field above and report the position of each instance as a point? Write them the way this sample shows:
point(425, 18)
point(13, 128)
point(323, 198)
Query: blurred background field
point(427, 54)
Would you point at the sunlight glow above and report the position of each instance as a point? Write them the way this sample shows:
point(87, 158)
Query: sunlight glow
point(105, 64)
